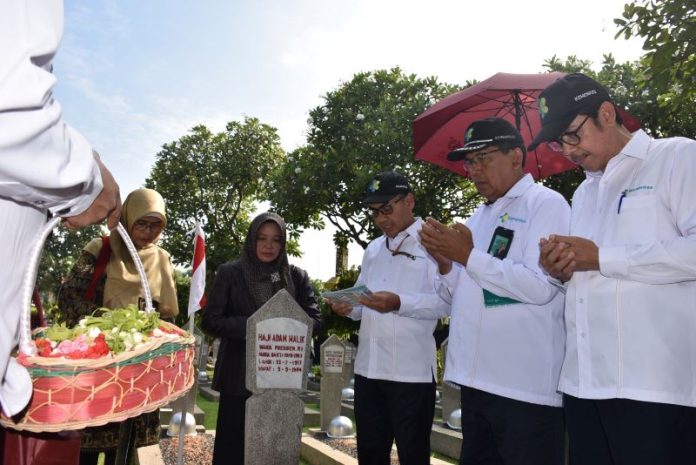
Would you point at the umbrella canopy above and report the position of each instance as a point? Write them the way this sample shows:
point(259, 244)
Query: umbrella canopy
point(440, 129)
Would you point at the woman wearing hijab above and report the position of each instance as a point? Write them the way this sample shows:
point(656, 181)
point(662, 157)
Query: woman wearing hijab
point(105, 276)
point(119, 285)
point(241, 287)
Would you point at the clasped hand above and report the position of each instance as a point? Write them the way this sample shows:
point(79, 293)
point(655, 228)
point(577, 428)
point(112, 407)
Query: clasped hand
point(561, 256)
point(446, 243)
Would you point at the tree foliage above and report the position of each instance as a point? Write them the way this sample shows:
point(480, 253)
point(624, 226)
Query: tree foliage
point(364, 127)
point(668, 28)
point(60, 251)
point(214, 178)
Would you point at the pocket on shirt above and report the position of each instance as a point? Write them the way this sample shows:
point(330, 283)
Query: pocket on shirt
point(636, 221)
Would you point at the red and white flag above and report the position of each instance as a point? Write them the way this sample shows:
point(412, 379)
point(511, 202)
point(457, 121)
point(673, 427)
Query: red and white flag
point(197, 294)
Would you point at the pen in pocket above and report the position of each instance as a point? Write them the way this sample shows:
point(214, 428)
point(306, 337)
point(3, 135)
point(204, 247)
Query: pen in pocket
point(623, 195)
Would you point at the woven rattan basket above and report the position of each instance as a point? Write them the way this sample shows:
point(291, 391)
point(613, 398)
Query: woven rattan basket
point(73, 394)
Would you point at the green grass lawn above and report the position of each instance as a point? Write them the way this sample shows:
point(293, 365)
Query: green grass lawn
point(211, 411)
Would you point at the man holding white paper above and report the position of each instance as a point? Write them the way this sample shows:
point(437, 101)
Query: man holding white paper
point(395, 367)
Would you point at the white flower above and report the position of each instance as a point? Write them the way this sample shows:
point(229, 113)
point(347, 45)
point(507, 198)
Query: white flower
point(360, 117)
point(94, 332)
point(298, 170)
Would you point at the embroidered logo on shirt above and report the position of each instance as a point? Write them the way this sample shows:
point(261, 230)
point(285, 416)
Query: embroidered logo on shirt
point(505, 217)
point(640, 188)
point(275, 277)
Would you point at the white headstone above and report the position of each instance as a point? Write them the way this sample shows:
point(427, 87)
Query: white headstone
point(278, 339)
point(333, 355)
point(451, 395)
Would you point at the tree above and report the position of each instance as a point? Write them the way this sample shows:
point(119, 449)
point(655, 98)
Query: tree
point(60, 251)
point(364, 127)
point(214, 178)
point(668, 28)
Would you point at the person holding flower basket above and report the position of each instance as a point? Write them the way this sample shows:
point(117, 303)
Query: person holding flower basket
point(105, 276)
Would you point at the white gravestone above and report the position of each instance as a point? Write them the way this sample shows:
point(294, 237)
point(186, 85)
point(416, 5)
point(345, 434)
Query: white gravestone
point(332, 362)
point(278, 349)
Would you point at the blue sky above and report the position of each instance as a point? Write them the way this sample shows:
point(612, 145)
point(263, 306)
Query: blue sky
point(133, 75)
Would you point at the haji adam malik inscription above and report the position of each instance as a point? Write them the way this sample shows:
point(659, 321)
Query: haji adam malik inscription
point(280, 352)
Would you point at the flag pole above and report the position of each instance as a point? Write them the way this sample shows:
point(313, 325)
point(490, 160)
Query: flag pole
point(196, 301)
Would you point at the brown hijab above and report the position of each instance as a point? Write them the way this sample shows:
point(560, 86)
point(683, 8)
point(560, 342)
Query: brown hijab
point(123, 284)
point(265, 279)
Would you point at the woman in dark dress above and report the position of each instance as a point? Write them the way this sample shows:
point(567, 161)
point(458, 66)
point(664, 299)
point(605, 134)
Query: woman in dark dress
point(240, 288)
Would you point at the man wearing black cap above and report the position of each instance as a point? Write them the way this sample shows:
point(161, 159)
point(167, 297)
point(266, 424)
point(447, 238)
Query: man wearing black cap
point(506, 334)
point(629, 373)
point(395, 367)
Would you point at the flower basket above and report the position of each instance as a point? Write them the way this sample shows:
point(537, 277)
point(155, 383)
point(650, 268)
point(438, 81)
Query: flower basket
point(73, 394)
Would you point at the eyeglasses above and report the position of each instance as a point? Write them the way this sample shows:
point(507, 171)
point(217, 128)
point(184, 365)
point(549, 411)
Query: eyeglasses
point(481, 158)
point(386, 209)
point(142, 225)
point(568, 138)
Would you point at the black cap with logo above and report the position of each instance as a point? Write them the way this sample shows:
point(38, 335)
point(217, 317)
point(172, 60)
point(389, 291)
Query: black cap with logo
point(563, 100)
point(488, 132)
point(385, 186)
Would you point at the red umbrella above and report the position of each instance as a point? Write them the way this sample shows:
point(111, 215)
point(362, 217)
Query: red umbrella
point(440, 128)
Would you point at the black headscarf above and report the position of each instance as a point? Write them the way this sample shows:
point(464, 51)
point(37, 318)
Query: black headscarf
point(265, 279)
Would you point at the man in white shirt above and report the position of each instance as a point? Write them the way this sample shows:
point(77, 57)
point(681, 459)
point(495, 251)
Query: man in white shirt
point(395, 367)
point(506, 333)
point(46, 167)
point(629, 373)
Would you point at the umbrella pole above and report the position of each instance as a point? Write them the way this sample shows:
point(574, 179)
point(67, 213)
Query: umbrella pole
point(518, 108)
point(518, 123)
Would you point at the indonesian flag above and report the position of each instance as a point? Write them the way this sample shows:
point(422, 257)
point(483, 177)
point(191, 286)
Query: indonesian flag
point(197, 295)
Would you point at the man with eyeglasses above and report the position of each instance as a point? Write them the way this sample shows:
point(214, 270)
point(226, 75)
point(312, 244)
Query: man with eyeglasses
point(629, 270)
point(395, 366)
point(506, 333)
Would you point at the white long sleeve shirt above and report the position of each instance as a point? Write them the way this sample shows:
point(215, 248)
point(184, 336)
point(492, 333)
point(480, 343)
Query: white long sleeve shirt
point(44, 164)
point(511, 349)
point(399, 346)
point(632, 325)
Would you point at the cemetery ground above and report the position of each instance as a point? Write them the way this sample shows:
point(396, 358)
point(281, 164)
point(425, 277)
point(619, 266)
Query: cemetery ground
point(286, 398)
point(317, 448)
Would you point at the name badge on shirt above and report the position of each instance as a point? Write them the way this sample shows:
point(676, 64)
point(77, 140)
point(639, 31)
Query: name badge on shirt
point(499, 247)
